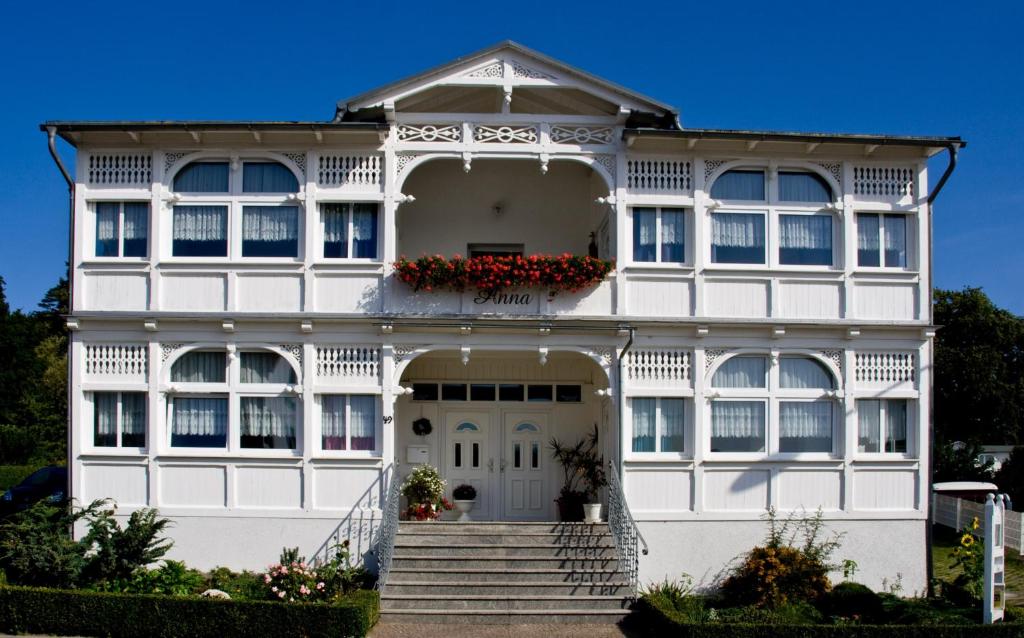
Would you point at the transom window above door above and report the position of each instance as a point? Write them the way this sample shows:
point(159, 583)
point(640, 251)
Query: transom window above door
point(508, 392)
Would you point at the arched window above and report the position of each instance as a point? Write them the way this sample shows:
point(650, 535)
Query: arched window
point(743, 185)
point(268, 177)
point(807, 424)
point(268, 412)
point(804, 186)
point(738, 423)
point(203, 177)
point(527, 427)
point(467, 427)
point(742, 372)
point(804, 373)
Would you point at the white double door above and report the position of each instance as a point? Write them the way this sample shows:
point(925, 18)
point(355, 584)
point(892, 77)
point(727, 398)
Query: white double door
point(503, 454)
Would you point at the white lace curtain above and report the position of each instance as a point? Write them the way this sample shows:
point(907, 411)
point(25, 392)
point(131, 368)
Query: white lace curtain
point(265, 367)
point(268, 416)
point(895, 240)
point(364, 218)
point(737, 230)
point(105, 405)
point(867, 232)
point(335, 223)
point(737, 419)
point(672, 231)
point(804, 373)
point(270, 223)
point(643, 424)
point(133, 412)
point(200, 416)
point(896, 420)
point(332, 419)
point(200, 367)
point(805, 419)
point(106, 220)
point(672, 425)
point(136, 220)
point(868, 425)
point(741, 372)
point(200, 223)
point(805, 231)
point(363, 413)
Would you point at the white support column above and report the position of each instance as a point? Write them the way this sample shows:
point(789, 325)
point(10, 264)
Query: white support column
point(81, 211)
point(312, 227)
point(849, 242)
point(310, 428)
point(849, 421)
point(924, 415)
point(153, 253)
point(700, 239)
point(623, 246)
point(924, 244)
point(389, 225)
point(156, 422)
point(701, 429)
point(77, 399)
point(387, 399)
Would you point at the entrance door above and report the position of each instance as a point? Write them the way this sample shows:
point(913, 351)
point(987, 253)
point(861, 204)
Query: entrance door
point(468, 459)
point(524, 466)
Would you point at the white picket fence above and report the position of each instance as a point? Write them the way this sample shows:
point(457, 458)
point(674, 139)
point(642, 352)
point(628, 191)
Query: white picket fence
point(958, 513)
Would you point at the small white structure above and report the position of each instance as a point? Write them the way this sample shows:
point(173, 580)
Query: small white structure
point(245, 360)
point(994, 593)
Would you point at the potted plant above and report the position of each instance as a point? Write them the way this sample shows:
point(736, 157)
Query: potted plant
point(465, 497)
point(583, 477)
point(424, 491)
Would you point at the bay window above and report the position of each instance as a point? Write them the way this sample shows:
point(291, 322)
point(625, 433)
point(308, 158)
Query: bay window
point(882, 426)
point(659, 235)
point(881, 240)
point(119, 419)
point(350, 230)
point(659, 424)
point(737, 238)
point(348, 422)
point(122, 229)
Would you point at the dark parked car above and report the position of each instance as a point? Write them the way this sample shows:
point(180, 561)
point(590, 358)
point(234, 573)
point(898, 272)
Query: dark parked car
point(50, 482)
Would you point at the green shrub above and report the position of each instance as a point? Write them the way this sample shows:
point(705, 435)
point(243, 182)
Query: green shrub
point(117, 553)
point(678, 598)
point(786, 614)
point(172, 578)
point(83, 613)
point(240, 586)
point(853, 601)
point(11, 475)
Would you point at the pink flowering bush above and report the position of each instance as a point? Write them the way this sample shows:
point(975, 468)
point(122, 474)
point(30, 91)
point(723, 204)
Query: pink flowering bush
point(292, 579)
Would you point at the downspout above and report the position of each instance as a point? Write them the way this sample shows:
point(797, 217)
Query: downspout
point(953, 150)
point(51, 143)
point(622, 402)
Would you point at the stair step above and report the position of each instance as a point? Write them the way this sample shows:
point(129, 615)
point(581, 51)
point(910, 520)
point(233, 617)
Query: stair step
point(522, 588)
point(511, 616)
point(486, 538)
point(499, 574)
point(507, 551)
point(422, 561)
point(468, 602)
point(443, 527)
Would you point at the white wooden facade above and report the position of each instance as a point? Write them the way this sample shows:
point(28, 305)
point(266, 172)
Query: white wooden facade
point(506, 146)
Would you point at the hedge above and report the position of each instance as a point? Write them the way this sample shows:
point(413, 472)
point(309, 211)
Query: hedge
point(11, 475)
point(650, 618)
point(89, 613)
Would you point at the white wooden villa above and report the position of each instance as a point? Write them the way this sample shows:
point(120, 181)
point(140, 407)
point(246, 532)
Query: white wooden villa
point(245, 359)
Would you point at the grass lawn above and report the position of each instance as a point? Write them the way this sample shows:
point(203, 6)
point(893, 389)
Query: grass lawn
point(944, 539)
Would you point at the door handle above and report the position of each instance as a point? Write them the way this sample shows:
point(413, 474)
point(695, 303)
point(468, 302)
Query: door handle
point(502, 467)
point(490, 465)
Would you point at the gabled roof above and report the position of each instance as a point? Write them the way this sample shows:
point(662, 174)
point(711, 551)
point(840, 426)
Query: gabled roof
point(531, 69)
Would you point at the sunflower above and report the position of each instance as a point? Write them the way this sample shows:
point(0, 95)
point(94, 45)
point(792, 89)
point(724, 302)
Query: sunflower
point(967, 540)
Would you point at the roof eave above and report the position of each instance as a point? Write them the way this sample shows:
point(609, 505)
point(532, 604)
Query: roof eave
point(797, 137)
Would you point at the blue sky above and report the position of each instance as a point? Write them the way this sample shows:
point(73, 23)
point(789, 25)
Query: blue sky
point(930, 68)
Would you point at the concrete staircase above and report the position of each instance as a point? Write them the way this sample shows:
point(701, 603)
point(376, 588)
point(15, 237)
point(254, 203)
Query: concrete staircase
point(504, 573)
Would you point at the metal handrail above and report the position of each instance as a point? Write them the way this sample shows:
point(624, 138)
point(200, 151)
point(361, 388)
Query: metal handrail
point(624, 530)
point(385, 547)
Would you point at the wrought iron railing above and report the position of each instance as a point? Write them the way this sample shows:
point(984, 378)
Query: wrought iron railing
point(385, 547)
point(625, 533)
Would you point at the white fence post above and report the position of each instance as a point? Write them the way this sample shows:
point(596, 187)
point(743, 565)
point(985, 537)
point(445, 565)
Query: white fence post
point(995, 564)
point(958, 525)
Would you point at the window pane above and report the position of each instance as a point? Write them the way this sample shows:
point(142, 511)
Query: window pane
point(805, 426)
point(363, 410)
point(424, 392)
point(643, 424)
point(270, 231)
point(673, 236)
point(202, 177)
point(200, 367)
point(453, 391)
point(265, 367)
point(744, 185)
point(534, 455)
point(199, 422)
point(737, 426)
point(133, 419)
point(804, 373)
point(569, 393)
point(106, 228)
point(476, 454)
point(104, 419)
point(539, 393)
point(517, 455)
point(335, 230)
point(481, 392)
point(136, 229)
point(332, 422)
point(644, 234)
point(896, 425)
point(895, 241)
point(268, 177)
point(868, 425)
point(200, 231)
point(364, 231)
point(803, 187)
point(867, 240)
point(742, 372)
point(805, 240)
point(458, 454)
point(672, 423)
point(737, 238)
point(511, 392)
point(268, 422)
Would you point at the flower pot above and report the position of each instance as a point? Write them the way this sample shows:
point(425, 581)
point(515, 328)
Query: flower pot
point(464, 507)
point(592, 512)
point(570, 507)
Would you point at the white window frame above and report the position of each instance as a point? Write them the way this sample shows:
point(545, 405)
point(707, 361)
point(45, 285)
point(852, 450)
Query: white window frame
point(911, 233)
point(90, 423)
point(658, 453)
point(322, 233)
point(348, 452)
point(233, 390)
point(687, 235)
point(836, 239)
point(911, 452)
point(90, 234)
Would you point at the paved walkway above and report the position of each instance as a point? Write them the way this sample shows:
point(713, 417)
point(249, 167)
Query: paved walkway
point(439, 630)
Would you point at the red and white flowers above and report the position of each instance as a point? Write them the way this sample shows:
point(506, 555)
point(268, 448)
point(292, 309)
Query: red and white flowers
point(565, 272)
